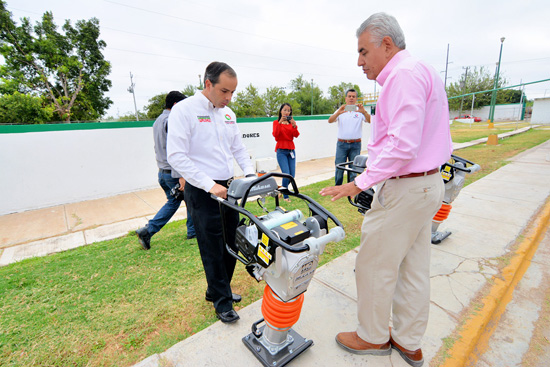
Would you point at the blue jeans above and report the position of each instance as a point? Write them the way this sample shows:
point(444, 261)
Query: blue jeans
point(345, 152)
point(287, 161)
point(166, 181)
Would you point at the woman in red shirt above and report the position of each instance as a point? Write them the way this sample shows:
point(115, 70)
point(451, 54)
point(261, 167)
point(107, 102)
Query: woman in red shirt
point(284, 131)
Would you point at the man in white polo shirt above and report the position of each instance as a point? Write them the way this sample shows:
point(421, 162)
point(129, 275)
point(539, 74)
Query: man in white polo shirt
point(350, 119)
point(203, 139)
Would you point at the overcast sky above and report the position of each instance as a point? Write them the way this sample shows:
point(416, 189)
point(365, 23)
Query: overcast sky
point(166, 44)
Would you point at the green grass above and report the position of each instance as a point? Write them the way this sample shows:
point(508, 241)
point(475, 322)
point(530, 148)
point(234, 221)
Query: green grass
point(462, 133)
point(113, 304)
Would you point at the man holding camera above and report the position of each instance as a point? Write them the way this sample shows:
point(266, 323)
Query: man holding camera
point(350, 118)
point(167, 177)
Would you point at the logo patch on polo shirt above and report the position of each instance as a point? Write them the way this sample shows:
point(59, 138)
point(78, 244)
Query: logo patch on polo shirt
point(204, 118)
point(228, 120)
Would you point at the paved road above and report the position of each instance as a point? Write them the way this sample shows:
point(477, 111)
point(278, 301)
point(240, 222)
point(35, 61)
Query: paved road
point(522, 336)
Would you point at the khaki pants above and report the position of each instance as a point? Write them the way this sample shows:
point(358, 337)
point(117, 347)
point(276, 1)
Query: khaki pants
point(392, 268)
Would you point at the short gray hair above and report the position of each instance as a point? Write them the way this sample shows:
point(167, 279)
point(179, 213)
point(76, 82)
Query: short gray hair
point(381, 25)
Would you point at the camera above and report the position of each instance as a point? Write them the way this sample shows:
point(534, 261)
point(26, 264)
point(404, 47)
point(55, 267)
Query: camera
point(288, 118)
point(176, 193)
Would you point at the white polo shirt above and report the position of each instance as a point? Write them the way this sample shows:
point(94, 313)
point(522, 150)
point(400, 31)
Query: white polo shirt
point(202, 141)
point(350, 125)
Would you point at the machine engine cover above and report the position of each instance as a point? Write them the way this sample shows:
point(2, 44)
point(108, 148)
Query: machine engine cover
point(292, 232)
point(237, 188)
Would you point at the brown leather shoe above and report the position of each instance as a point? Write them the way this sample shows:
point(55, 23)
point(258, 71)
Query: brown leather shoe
point(412, 357)
point(351, 342)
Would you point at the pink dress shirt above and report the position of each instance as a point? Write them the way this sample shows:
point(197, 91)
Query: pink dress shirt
point(410, 131)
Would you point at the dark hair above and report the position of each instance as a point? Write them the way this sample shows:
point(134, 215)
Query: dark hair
point(215, 69)
point(174, 97)
point(351, 90)
point(282, 106)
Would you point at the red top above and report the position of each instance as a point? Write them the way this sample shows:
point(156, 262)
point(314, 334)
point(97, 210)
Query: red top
point(284, 134)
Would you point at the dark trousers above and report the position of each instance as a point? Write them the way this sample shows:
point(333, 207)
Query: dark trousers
point(167, 182)
point(218, 264)
point(345, 152)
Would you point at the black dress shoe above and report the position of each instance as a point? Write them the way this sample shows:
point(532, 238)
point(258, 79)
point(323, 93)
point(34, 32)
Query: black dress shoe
point(144, 237)
point(236, 297)
point(228, 317)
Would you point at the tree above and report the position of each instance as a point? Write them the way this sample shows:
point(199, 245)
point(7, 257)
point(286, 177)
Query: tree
point(158, 103)
point(189, 90)
point(20, 108)
point(131, 116)
point(273, 98)
point(471, 81)
point(156, 106)
point(248, 103)
point(302, 93)
point(67, 69)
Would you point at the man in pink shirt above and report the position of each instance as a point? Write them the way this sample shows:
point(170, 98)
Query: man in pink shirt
point(410, 140)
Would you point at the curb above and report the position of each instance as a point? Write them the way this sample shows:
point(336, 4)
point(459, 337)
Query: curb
point(474, 335)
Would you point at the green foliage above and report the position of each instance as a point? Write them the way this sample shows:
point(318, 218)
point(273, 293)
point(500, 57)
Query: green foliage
point(189, 90)
point(131, 116)
point(302, 94)
point(156, 106)
point(273, 98)
point(248, 103)
point(157, 103)
point(477, 80)
point(20, 108)
point(66, 69)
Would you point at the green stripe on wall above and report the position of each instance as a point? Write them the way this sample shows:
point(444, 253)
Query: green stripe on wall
point(16, 129)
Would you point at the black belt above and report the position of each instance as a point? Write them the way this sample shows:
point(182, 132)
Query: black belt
point(165, 171)
point(349, 140)
point(427, 173)
point(224, 183)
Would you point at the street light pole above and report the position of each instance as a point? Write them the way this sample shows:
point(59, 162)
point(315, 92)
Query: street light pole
point(495, 86)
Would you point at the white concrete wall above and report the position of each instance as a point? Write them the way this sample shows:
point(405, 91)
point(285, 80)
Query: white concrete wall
point(41, 169)
point(541, 111)
point(505, 112)
point(56, 167)
point(317, 139)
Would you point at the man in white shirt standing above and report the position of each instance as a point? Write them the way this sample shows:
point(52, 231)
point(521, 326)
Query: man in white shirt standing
point(203, 139)
point(350, 117)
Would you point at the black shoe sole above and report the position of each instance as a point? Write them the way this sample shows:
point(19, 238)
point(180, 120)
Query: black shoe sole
point(226, 320)
point(207, 298)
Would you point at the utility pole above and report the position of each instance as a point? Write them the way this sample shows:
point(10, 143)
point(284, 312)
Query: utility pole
point(200, 82)
point(311, 96)
point(446, 66)
point(131, 89)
